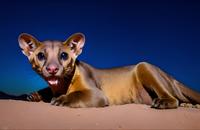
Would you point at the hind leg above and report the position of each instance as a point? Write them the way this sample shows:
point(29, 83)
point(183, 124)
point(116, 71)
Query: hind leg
point(149, 76)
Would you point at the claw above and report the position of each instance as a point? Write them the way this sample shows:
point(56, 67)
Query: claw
point(30, 98)
point(166, 103)
point(53, 100)
point(60, 101)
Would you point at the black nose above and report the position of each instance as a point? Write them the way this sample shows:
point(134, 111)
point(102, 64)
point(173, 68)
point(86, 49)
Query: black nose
point(52, 69)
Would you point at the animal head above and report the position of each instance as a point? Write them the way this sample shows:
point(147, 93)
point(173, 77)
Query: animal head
point(53, 60)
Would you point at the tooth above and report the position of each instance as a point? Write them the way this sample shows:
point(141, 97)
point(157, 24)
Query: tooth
point(49, 82)
point(53, 82)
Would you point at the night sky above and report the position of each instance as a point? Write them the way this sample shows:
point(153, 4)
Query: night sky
point(163, 33)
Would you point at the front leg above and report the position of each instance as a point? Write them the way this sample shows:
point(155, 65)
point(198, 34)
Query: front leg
point(79, 99)
point(60, 101)
point(149, 76)
point(44, 94)
point(74, 100)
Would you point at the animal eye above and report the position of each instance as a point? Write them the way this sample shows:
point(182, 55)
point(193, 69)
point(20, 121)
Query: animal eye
point(63, 56)
point(41, 56)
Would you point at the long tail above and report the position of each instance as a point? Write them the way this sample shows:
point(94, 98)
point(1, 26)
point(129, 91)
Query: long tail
point(192, 96)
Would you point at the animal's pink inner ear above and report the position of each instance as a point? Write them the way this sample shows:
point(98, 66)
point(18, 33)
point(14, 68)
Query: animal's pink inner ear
point(76, 42)
point(78, 38)
point(26, 38)
point(27, 43)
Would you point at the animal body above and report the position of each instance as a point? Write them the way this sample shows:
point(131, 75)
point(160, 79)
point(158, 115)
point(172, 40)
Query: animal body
point(74, 83)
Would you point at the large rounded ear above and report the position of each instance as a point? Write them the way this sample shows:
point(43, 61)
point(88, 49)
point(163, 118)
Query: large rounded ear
point(27, 43)
point(76, 43)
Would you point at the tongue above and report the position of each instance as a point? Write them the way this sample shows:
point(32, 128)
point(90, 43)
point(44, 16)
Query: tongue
point(53, 82)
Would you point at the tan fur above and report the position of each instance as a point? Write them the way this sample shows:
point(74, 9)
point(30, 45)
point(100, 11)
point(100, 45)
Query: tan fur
point(81, 85)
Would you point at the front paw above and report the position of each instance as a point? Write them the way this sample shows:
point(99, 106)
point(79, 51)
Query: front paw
point(166, 103)
point(60, 101)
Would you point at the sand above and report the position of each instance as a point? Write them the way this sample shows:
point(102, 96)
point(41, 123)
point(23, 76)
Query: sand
point(32, 115)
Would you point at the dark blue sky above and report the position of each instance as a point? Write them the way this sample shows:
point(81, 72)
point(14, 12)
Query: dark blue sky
point(164, 33)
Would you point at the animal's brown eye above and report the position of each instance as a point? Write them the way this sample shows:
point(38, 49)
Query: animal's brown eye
point(63, 56)
point(41, 56)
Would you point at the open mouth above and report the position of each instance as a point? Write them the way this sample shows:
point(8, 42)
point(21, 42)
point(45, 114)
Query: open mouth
point(53, 81)
point(56, 84)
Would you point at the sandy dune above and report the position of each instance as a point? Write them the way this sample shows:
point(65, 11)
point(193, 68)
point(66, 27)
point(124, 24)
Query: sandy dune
point(30, 115)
